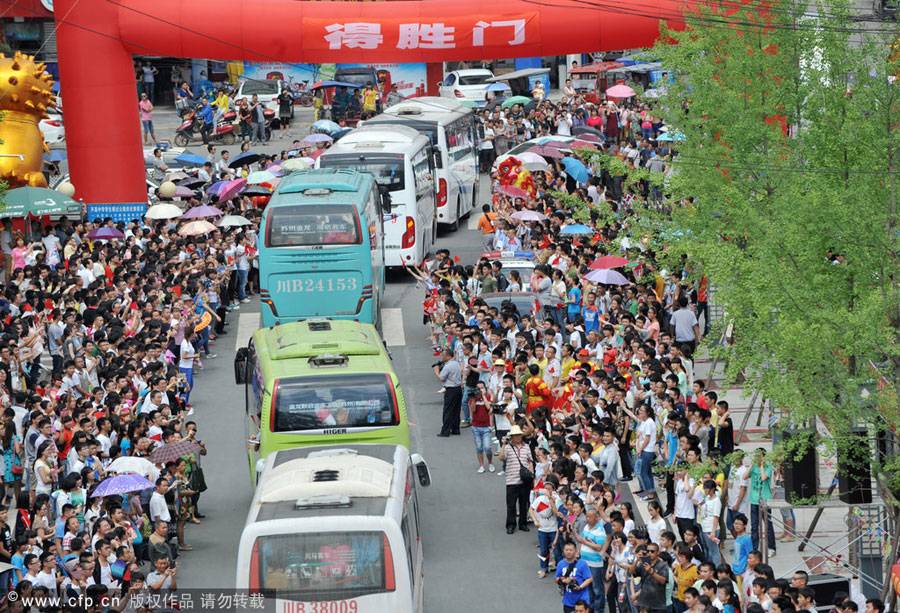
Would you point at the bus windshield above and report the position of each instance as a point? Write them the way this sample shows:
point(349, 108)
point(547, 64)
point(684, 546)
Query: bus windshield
point(312, 224)
point(388, 171)
point(324, 565)
point(343, 401)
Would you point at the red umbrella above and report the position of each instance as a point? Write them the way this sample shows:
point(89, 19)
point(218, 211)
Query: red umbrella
point(512, 191)
point(232, 189)
point(608, 261)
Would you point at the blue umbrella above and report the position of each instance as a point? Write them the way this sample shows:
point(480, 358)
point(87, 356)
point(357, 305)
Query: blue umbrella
point(216, 187)
point(338, 135)
point(576, 169)
point(190, 159)
point(669, 136)
point(496, 87)
point(576, 229)
point(326, 125)
point(55, 155)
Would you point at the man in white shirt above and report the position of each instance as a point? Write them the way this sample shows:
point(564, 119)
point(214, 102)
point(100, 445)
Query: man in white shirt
point(738, 494)
point(186, 363)
point(85, 273)
point(553, 369)
point(159, 511)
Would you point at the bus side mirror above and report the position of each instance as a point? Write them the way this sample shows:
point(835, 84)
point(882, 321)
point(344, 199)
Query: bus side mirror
point(240, 366)
point(421, 469)
point(438, 162)
point(385, 199)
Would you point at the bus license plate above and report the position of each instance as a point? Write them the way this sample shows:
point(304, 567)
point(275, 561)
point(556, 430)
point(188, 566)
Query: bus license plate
point(332, 606)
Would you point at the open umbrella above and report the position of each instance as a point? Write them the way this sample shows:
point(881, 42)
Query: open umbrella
point(196, 228)
point(178, 175)
point(527, 215)
point(299, 146)
point(183, 192)
point(606, 277)
point(512, 191)
point(105, 234)
point(317, 138)
point(670, 136)
point(216, 188)
point(497, 87)
point(37, 201)
point(578, 131)
point(232, 189)
point(536, 166)
point(341, 133)
point(575, 169)
point(508, 102)
point(55, 155)
point(326, 125)
point(293, 164)
point(257, 190)
point(163, 211)
point(529, 156)
point(322, 84)
point(588, 137)
point(619, 91)
point(121, 484)
point(191, 182)
point(199, 212)
point(245, 158)
point(234, 220)
point(191, 159)
point(173, 451)
point(260, 176)
point(546, 151)
point(131, 464)
point(583, 143)
point(608, 261)
point(576, 229)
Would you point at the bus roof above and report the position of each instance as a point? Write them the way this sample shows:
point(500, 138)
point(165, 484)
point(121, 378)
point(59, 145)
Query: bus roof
point(330, 480)
point(315, 337)
point(426, 109)
point(380, 138)
point(323, 186)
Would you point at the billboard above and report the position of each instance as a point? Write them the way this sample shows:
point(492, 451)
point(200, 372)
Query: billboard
point(410, 78)
point(297, 76)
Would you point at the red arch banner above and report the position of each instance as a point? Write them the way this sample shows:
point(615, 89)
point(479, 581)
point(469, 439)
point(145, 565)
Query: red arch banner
point(96, 39)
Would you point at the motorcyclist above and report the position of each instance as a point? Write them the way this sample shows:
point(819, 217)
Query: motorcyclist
point(206, 114)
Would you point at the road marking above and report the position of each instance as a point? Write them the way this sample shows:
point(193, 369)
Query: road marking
point(248, 323)
point(392, 327)
point(473, 221)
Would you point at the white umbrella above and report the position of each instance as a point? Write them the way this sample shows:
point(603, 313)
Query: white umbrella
point(234, 220)
point(294, 164)
point(163, 211)
point(130, 464)
point(196, 228)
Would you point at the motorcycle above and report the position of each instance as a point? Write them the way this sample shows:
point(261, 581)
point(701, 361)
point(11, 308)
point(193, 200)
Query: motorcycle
point(223, 132)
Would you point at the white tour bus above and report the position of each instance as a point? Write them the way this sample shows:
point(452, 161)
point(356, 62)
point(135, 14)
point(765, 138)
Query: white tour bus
point(336, 528)
point(451, 128)
point(401, 161)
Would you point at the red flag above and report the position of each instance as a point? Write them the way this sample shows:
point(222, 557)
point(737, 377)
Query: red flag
point(456, 259)
point(542, 506)
point(546, 242)
point(539, 485)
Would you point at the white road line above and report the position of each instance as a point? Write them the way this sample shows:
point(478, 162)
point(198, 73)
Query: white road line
point(392, 327)
point(248, 323)
point(473, 220)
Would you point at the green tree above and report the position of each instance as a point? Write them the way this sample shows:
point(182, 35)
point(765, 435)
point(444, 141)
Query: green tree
point(792, 154)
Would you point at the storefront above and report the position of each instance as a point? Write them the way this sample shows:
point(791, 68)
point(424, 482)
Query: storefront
point(28, 27)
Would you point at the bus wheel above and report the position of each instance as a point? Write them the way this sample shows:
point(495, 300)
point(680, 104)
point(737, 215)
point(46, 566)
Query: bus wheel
point(455, 225)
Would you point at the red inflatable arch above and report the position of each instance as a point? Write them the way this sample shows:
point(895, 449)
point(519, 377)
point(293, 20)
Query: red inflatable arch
point(96, 40)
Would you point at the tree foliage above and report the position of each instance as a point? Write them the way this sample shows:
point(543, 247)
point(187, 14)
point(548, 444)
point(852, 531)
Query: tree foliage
point(792, 153)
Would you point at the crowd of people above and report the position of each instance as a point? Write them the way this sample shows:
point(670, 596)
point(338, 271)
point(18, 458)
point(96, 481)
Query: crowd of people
point(597, 386)
point(101, 345)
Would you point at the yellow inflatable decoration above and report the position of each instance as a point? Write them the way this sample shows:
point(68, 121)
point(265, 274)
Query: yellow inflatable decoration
point(24, 98)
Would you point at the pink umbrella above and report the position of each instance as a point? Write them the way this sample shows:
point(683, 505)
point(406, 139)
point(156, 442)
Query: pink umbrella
point(547, 152)
point(199, 212)
point(591, 138)
point(619, 91)
point(183, 192)
point(232, 189)
point(530, 156)
point(527, 215)
point(512, 191)
point(583, 143)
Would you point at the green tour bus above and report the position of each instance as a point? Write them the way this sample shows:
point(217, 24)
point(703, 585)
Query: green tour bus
point(318, 382)
point(322, 247)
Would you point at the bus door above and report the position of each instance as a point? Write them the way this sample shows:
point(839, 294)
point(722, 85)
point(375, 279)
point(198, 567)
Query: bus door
point(254, 399)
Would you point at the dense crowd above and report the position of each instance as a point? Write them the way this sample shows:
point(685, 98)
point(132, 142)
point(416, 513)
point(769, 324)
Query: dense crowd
point(101, 345)
point(596, 386)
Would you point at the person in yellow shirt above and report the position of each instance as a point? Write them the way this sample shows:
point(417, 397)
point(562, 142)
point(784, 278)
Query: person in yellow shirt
point(370, 98)
point(568, 362)
point(221, 104)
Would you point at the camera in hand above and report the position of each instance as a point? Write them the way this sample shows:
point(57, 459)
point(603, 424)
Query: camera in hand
point(498, 408)
point(437, 364)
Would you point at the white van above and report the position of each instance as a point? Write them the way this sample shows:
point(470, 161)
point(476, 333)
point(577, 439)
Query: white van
point(451, 127)
point(336, 528)
point(400, 159)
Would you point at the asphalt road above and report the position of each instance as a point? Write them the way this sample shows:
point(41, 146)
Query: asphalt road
point(471, 564)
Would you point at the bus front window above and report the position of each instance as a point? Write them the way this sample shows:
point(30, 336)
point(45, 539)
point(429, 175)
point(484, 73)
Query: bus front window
point(314, 403)
point(312, 224)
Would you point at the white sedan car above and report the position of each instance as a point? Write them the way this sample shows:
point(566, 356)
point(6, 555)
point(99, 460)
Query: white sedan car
point(53, 130)
point(466, 84)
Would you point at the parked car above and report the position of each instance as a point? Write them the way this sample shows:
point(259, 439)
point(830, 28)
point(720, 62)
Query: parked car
point(267, 90)
point(169, 156)
point(53, 129)
point(466, 84)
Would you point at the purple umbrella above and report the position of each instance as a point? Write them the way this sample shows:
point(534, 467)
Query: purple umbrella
point(317, 138)
point(199, 212)
point(104, 233)
point(121, 484)
point(216, 188)
point(183, 192)
point(605, 276)
point(232, 189)
point(191, 182)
